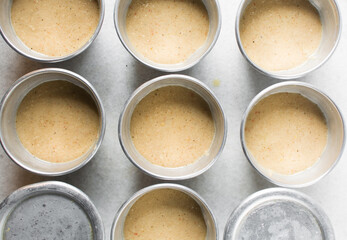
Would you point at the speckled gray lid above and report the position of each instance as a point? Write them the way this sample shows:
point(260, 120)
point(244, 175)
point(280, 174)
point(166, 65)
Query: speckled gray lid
point(278, 213)
point(49, 210)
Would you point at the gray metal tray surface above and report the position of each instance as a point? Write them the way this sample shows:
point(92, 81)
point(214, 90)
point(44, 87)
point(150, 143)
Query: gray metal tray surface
point(110, 179)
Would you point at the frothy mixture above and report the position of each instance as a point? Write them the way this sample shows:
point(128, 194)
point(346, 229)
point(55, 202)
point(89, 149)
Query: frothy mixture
point(55, 27)
point(165, 214)
point(280, 34)
point(57, 121)
point(286, 133)
point(167, 31)
point(172, 127)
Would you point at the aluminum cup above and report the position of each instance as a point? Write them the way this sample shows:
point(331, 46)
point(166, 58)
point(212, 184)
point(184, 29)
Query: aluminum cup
point(335, 140)
point(210, 220)
point(43, 210)
point(10, 36)
point(278, 213)
point(179, 173)
point(214, 13)
point(331, 30)
point(8, 110)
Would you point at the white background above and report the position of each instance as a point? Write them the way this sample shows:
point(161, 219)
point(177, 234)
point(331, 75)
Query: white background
point(110, 179)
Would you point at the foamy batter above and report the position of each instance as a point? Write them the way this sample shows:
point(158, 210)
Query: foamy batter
point(167, 31)
point(286, 133)
point(165, 214)
point(55, 27)
point(280, 34)
point(57, 121)
point(172, 127)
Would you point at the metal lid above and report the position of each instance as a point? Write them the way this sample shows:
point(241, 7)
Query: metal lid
point(278, 213)
point(49, 210)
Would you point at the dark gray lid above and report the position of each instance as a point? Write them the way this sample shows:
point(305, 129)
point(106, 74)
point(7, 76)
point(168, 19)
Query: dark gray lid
point(278, 213)
point(49, 210)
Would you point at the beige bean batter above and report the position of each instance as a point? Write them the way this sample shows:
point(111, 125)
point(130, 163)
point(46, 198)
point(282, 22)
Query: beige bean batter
point(172, 127)
point(165, 214)
point(280, 34)
point(286, 133)
point(57, 121)
point(167, 31)
point(55, 27)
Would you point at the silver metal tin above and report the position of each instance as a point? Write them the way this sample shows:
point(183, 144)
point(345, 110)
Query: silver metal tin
point(210, 220)
point(332, 28)
point(8, 110)
point(10, 36)
point(178, 173)
point(214, 13)
point(278, 213)
point(335, 141)
point(50, 210)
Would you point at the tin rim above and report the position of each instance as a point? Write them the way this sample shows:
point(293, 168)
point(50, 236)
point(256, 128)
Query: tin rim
point(279, 75)
point(101, 4)
point(60, 188)
point(173, 186)
point(255, 101)
point(243, 210)
point(130, 99)
point(163, 68)
point(96, 99)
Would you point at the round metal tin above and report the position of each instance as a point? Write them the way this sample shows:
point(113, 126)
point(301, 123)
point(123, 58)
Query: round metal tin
point(8, 135)
point(278, 213)
point(210, 220)
point(335, 141)
point(11, 38)
point(179, 173)
point(332, 28)
point(214, 12)
point(49, 210)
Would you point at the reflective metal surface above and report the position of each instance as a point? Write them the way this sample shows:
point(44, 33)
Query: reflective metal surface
point(8, 110)
point(331, 27)
point(10, 36)
point(214, 13)
point(278, 213)
point(211, 224)
point(51, 210)
point(189, 171)
point(335, 140)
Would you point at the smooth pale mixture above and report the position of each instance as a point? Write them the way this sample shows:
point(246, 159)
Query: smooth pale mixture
point(286, 133)
point(57, 121)
point(280, 34)
point(165, 214)
point(172, 127)
point(169, 31)
point(55, 27)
